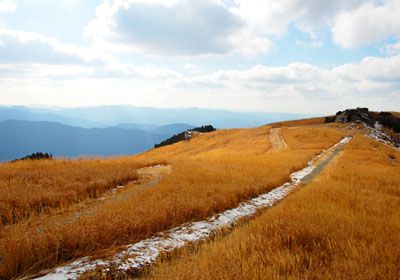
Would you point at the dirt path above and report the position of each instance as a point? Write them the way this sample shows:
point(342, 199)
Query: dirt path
point(137, 256)
point(148, 178)
point(277, 141)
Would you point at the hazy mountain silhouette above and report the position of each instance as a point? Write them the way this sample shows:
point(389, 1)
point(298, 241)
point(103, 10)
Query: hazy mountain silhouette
point(28, 114)
point(169, 129)
point(105, 116)
point(194, 116)
point(123, 129)
point(19, 138)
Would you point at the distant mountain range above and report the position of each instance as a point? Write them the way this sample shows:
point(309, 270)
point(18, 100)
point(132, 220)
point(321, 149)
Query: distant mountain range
point(20, 138)
point(166, 130)
point(108, 130)
point(108, 116)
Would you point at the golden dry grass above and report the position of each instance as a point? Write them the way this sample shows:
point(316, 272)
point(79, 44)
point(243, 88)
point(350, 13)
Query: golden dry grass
point(343, 225)
point(303, 122)
point(210, 173)
point(31, 187)
point(220, 143)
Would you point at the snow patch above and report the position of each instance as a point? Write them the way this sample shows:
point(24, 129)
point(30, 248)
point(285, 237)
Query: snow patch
point(377, 133)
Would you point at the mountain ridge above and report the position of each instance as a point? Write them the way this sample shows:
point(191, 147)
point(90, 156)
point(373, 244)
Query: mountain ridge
point(103, 116)
point(20, 138)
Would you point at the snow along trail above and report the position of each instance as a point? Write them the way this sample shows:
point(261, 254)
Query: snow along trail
point(146, 252)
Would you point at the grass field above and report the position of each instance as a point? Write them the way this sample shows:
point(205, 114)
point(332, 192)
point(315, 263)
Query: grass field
point(343, 225)
point(303, 122)
point(28, 188)
point(210, 173)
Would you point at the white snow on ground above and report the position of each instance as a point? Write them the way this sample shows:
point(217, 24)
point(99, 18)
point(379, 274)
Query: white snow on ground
point(377, 134)
point(145, 252)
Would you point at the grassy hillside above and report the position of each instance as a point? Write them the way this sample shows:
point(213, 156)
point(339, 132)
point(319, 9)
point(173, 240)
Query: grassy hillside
point(343, 225)
point(210, 173)
point(29, 187)
point(83, 209)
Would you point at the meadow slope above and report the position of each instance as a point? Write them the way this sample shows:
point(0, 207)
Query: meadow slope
point(28, 188)
point(342, 225)
point(209, 174)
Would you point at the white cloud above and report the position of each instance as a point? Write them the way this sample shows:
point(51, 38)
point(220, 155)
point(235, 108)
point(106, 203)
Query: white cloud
point(373, 82)
point(371, 69)
point(7, 6)
point(33, 65)
point(372, 76)
point(206, 27)
point(271, 17)
point(182, 27)
point(201, 27)
point(192, 68)
point(392, 49)
point(34, 47)
point(367, 24)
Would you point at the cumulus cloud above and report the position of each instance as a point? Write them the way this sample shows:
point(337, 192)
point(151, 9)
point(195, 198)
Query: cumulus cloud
point(179, 27)
point(26, 47)
point(209, 34)
point(371, 81)
point(371, 76)
point(273, 17)
point(187, 27)
point(371, 69)
point(198, 27)
point(367, 24)
point(270, 17)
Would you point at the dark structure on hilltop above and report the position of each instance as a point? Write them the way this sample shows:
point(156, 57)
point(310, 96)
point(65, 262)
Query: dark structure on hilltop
point(35, 156)
point(387, 119)
point(186, 135)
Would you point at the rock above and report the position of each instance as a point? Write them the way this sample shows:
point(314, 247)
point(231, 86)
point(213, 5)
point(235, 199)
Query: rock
point(352, 115)
point(363, 115)
point(384, 126)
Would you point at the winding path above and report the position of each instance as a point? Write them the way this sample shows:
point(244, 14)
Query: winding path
point(277, 141)
point(137, 256)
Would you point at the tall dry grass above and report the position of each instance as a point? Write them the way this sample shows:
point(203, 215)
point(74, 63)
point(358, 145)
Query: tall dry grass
point(302, 122)
point(31, 187)
point(210, 173)
point(343, 225)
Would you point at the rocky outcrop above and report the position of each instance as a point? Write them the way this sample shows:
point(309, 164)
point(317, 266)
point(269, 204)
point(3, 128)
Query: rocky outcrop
point(383, 126)
point(352, 115)
point(363, 115)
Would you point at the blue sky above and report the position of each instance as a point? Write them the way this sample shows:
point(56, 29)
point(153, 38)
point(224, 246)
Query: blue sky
point(285, 56)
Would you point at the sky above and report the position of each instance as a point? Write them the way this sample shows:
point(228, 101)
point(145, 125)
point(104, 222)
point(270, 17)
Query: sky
point(303, 56)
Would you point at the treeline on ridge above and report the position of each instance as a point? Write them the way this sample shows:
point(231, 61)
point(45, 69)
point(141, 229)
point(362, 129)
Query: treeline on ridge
point(186, 135)
point(35, 156)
